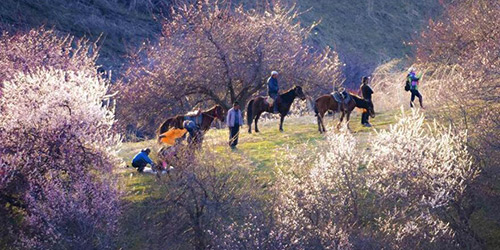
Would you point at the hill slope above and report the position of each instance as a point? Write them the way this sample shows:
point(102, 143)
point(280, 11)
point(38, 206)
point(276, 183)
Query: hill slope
point(258, 151)
point(368, 33)
point(365, 32)
point(262, 153)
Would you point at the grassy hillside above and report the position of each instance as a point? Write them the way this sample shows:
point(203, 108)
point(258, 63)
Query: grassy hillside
point(368, 32)
point(259, 151)
point(120, 25)
point(365, 32)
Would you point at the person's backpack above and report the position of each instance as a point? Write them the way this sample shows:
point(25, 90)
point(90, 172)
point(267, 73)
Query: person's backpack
point(407, 84)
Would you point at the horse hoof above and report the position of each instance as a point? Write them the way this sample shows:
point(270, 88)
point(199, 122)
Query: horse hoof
point(257, 131)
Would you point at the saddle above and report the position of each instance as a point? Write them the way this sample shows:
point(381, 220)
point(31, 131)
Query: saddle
point(270, 101)
point(341, 96)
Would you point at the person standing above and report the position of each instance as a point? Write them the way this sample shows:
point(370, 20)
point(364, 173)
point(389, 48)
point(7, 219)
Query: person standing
point(273, 90)
point(366, 92)
point(234, 121)
point(414, 82)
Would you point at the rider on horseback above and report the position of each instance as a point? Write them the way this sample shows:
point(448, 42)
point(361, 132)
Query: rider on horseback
point(273, 89)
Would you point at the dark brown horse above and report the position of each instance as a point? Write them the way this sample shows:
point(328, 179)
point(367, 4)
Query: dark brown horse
point(327, 102)
point(259, 105)
point(207, 118)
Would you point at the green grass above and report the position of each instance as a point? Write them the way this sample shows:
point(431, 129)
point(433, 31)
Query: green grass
point(260, 150)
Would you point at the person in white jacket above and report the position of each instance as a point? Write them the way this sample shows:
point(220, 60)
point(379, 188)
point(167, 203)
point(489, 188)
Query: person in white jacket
point(234, 122)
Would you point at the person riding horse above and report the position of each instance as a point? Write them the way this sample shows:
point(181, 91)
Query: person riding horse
point(273, 90)
point(258, 105)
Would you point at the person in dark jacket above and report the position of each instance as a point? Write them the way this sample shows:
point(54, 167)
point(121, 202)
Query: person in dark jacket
point(193, 130)
point(366, 92)
point(141, 160)
point(273, 89)
point(234, 122)
point(414, 82)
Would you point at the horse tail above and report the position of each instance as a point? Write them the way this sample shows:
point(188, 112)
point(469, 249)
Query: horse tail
point(316, 111)
point(164, 127)
point(250, 112)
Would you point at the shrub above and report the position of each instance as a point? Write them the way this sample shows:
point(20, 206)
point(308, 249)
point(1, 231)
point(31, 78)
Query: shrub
point(57, 156)
point(461, 49)
point(205, 195)
point(405, 191)
point(42, 48)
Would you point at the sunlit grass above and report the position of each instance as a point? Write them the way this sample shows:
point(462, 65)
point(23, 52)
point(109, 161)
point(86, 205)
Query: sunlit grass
point(260, 151)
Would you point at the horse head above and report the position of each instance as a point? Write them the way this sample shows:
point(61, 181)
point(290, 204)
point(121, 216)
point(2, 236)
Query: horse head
point(299, 93)
point(219, 113)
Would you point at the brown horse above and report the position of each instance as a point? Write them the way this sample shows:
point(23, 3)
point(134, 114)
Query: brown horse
point(207, 118)
point(259, 105)
point(327, 102)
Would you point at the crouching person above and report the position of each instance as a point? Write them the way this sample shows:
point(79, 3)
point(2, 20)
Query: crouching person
point(141, 160)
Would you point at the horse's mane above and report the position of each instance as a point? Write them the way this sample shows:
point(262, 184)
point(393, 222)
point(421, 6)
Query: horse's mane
point(356, 96)
point(290, 89)
point(212, 108)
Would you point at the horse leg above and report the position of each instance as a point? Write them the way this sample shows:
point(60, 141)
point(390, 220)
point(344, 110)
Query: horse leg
point(256, 121)
point(319, 123)
point(348, 117)
point(250, 120)
point(323, 122)
point(282, 118)
point(341, 119)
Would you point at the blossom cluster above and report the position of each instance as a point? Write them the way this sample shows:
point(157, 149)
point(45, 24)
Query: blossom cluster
point(399, 191)
point(57, 146)
point(211, 52)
